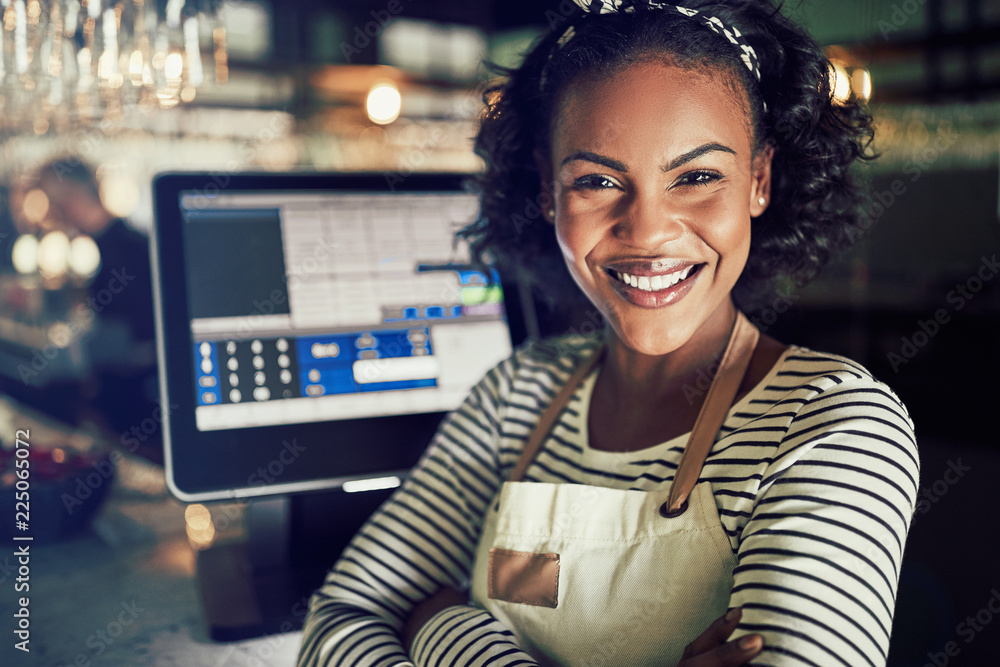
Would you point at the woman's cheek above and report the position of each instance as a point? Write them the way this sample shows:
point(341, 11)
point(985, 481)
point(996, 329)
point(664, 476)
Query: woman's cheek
point(572, 235)
point(724, 223)
point(579, 224)
point(729, 237)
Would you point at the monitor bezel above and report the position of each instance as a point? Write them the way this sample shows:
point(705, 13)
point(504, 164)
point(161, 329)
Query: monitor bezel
point(241, 463)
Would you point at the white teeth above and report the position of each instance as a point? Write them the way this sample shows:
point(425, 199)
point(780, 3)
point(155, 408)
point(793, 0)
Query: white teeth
point(654, 283)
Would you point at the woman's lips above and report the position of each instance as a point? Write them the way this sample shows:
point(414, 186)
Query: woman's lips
point(650, 289)
point(649, 267)
point(652, 282)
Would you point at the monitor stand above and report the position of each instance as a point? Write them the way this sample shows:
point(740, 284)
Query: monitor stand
point(260, 585)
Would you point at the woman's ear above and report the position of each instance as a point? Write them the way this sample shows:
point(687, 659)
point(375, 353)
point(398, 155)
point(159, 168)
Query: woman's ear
point(760, 190)
point(544, 167)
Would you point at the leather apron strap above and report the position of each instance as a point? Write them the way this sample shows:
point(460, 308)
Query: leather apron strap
point(552, 412)
point(726, 383)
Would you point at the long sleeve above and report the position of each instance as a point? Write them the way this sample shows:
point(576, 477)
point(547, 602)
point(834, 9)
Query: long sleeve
point(819, 558)
point(422, 538)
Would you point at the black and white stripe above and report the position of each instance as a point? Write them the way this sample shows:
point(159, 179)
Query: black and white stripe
point(815, 475)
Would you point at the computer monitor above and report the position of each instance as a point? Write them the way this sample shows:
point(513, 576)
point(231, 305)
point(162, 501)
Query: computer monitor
point(314, 328)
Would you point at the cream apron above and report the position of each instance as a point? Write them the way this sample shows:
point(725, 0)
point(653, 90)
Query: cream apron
point(587, 575)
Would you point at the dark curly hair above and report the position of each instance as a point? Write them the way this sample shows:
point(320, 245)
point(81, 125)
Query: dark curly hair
point(815, 200)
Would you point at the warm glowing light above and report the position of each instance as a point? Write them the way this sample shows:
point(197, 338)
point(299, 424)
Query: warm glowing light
point(200, 529)
point(167, 99)
point(135, 68)
point(107, 67)
point(84, 257)
point(197, 516)
point(58, 455)
point(60, 335)
point(111, 44)
point(188, 93)
point(83, 63)
point(840, 82)
point(41, 126)
point(861, 82)
point(24, 254)
point(173, 67)
point(35, 206)
point(201, 538)
point(384, 103)
point(53, 254)
point(120, 194)
point(221, 55)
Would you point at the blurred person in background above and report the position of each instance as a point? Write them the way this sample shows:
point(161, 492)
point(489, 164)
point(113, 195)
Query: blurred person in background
point(73, 191)
point(122, 388)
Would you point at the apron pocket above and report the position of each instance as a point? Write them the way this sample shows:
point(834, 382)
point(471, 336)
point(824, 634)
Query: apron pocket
point(523, 577)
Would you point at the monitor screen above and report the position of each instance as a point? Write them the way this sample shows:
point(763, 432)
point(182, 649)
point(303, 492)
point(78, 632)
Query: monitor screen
point(358, 305)
point(333, 310)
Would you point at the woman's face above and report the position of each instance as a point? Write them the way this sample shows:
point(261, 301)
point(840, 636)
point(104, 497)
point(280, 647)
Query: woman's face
point(656, 184)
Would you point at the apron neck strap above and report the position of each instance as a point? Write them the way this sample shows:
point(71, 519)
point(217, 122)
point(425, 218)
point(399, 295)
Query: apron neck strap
point(725, 384)
point(551, 413)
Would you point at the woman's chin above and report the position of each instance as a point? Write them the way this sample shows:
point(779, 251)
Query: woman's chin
point(653, 340)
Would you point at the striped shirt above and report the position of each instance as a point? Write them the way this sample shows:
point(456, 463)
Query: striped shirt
point(814, 472)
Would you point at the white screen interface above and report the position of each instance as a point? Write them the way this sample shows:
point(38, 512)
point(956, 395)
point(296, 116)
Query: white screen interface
point(316, 306)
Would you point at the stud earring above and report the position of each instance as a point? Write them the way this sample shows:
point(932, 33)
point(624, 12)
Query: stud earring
point(552, 213)
point(762, 201)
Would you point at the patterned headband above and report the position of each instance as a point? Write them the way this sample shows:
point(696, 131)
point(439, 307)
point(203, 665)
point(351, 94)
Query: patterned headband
point(748, 55)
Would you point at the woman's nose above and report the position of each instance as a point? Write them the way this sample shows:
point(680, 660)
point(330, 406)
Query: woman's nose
point(648, 222)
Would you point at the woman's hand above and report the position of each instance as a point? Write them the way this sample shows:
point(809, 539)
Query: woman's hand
point(444, 598)
point(711, 649)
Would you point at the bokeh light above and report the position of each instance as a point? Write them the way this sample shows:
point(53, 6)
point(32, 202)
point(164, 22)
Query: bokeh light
point(840, 82)
point(84, 256)
point(384, 103)
point(861, 82)
point(35, 206)
point(119, 194)
point(200, 529)
point(53, 254)
point(24, 254)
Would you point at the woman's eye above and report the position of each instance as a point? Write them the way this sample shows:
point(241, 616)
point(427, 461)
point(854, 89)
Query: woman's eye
point(594, 182)
point(699, 178)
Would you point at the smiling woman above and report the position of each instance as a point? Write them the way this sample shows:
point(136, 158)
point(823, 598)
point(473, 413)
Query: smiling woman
point(590, 503)
point(688, 186)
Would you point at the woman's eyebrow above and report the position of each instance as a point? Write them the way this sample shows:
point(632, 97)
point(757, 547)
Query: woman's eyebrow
point(695, 154)
point(670, 166)
point(598, 159)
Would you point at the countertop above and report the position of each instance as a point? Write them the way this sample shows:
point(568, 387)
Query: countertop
point(123, 592)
